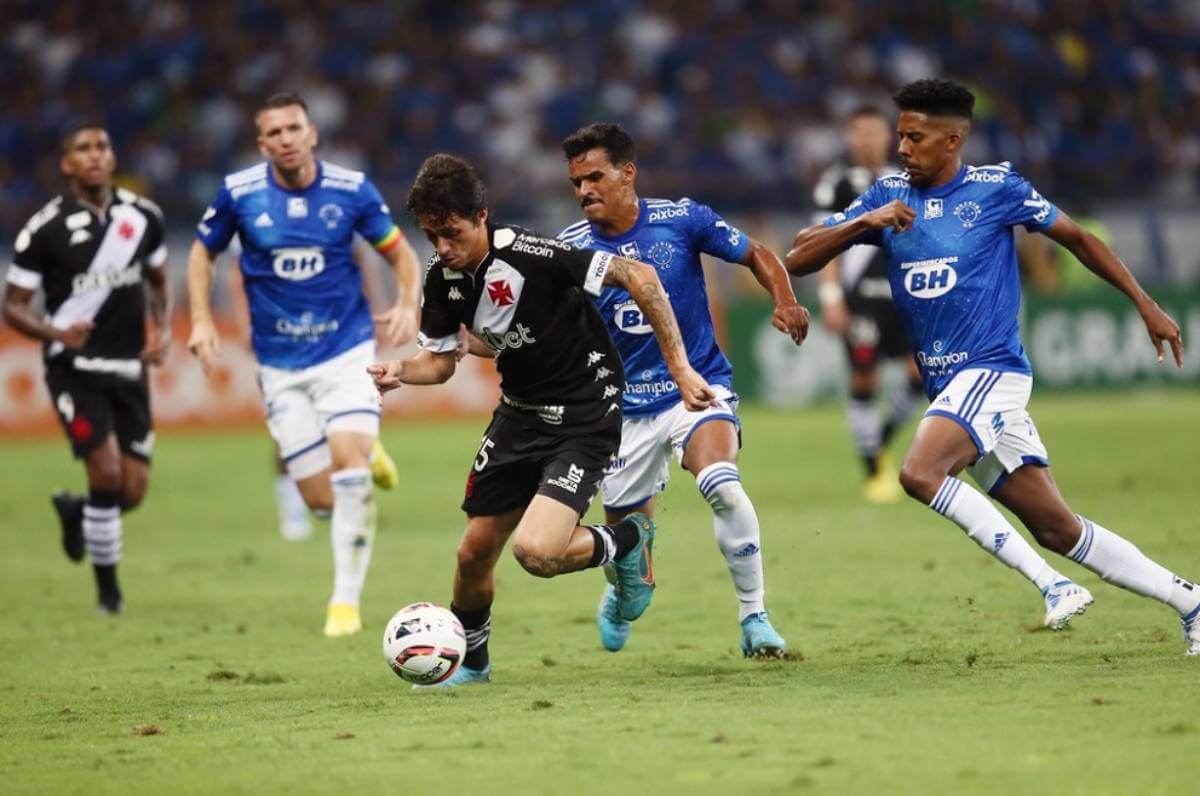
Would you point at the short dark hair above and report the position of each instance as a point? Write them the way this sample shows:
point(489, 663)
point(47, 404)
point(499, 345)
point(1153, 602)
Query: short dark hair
point(610, 137)
point(77, 127)
point(936, 98)
point(867, 110)
point(447, 185)
point(285, 99)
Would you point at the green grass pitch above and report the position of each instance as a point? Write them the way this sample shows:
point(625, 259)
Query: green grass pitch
point(923, 667)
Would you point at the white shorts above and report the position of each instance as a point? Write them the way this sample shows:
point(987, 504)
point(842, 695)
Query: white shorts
point(304, 406)
point(642, 466)
point(990, 405)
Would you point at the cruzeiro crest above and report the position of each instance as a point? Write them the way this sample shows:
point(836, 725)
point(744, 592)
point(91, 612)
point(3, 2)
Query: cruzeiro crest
point(968, 213)
point(661, 253)
point(331, 214)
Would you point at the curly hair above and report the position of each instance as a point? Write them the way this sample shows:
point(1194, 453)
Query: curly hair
point(610, 137)
point(447, 185)
point(936, 98)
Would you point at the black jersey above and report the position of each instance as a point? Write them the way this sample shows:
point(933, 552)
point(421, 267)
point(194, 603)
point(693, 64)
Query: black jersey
point(863, 268)
point(531, 299)
point(90, 266)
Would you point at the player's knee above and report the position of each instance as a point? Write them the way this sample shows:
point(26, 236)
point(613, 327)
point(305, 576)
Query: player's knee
point(536, 561)
point(132, 494)
point(920, 482)
point(474, 557)
point(105, 475)
point(1057, 532)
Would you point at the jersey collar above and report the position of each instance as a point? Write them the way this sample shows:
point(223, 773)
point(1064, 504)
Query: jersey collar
point(942, 190)
point(275, 183)
point(643, 214)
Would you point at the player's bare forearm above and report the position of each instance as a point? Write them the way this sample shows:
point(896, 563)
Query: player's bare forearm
point(19, 314)
point(427, 367)
point(815, 246)
point(406, 270)
point(199, 283)
point(158, 297)
point(1105, 263)
point(642, 283)
point(788, 317)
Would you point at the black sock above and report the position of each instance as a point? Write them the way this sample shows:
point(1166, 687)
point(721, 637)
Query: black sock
point(106, 585)
point(106, 548)
point(477, 624)
point(872, 465)
point(611, 542)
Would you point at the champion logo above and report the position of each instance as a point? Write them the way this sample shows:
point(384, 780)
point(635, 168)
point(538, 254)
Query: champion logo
point(500, 293)
point(455, 294)
point(264, 220)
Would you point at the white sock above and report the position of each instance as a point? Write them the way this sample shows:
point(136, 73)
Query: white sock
point(865, 425)
point(102, 534)
point(294, 521)
point(984, 523)
point(736, 526)
point(1121, 563)
point(352, 532)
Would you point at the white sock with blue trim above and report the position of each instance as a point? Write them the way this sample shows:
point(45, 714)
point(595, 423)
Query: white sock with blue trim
point(294, 521)
point(352, 532)
point(984, 523)
point(1121, 563)
point(735, 524)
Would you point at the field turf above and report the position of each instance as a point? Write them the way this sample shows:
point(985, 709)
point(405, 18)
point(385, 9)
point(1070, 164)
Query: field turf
point(920, 665)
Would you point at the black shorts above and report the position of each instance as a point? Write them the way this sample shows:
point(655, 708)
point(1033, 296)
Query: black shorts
point(876, 332)
point(91, 406)
point(520, 458)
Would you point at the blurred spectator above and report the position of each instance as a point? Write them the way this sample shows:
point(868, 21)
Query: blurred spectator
point(734, 102)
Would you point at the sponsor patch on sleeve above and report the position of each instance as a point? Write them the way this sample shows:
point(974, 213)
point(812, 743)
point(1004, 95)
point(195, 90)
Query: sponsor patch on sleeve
point(594, 281)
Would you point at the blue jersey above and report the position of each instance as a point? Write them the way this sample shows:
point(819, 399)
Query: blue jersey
point(303, 285)
point(954, 273)
point(669, 236)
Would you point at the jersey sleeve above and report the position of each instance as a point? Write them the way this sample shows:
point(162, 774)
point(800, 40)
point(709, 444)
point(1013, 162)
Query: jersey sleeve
point(219, 222)
point(561, 262)
point(156, 239)
point(868, 201)
point(375, 222)
point(713, 235)
point(439, 326)
point(28, 260)
point(1024, 205)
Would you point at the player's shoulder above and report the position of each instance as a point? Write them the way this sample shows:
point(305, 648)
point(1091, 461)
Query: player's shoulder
point(577, 235)
point(44, 215)
point(246, 181)
point(893, 181)
point(673, 211)
point(145, 206)
point(341, 179)
point(510, 240)
point(999, 174)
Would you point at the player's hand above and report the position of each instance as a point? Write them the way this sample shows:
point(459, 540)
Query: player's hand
point(835, 317)
point(1162, 327)
point(464, 343)
point(791, 319)
point(386, 375)
point(205, 344)
point(76, 335)
point(894, 214)
point(155, 352)
point(695, 391)
point(399, 324)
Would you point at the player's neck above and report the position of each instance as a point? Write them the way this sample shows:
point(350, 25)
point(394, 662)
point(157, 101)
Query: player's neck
point(95, 197)
point(296, 179)
point(947, 174)
point(623, 219)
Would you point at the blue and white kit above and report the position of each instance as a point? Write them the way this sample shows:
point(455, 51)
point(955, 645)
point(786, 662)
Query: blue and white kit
point(670, 236)
point(310, 326)
point(955, 282)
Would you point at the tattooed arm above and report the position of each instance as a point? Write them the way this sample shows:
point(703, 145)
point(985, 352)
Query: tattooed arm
point(158, 299)
point(641, 281)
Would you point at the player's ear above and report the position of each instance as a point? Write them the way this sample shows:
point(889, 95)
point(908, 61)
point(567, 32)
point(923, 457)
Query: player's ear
point(628, 173)
point(482, 216)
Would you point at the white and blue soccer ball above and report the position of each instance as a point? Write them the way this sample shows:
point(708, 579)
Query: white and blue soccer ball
point(424, 643)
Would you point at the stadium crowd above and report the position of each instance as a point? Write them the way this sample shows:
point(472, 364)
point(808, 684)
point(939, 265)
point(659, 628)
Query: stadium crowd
point(733, 101)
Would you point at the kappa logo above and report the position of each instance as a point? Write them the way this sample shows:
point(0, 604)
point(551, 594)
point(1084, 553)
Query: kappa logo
point(610, 391)
point(80, 236)
point(79, 220)
point(593, 357)
point(455, 294)
point(264, 220)
point(602, 374)
point(933, 208)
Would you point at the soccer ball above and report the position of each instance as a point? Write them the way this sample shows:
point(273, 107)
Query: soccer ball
point(424, 643)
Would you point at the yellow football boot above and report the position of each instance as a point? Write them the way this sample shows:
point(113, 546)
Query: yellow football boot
point(342, 619)
point(383, 468)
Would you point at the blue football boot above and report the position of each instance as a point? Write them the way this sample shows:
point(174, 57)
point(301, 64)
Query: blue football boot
point(633, 573)
point(759, 639)
point(462, 676)
point(614, 631)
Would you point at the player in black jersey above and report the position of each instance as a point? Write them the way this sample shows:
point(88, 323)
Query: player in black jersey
point(856, 304)
point(558, 424)
point(97, 254)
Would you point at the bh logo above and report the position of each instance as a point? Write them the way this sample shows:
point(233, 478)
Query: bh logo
point(298, 264)
point(931, 278)
point(629, 319)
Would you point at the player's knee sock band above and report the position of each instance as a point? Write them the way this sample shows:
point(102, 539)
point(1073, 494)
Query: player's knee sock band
point(735, 524)
point(477, 624)
point(102, 527)
point(610, 542)
point(1121, 563)
point(865, 426)
point(352, 532)
point(984, 523)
